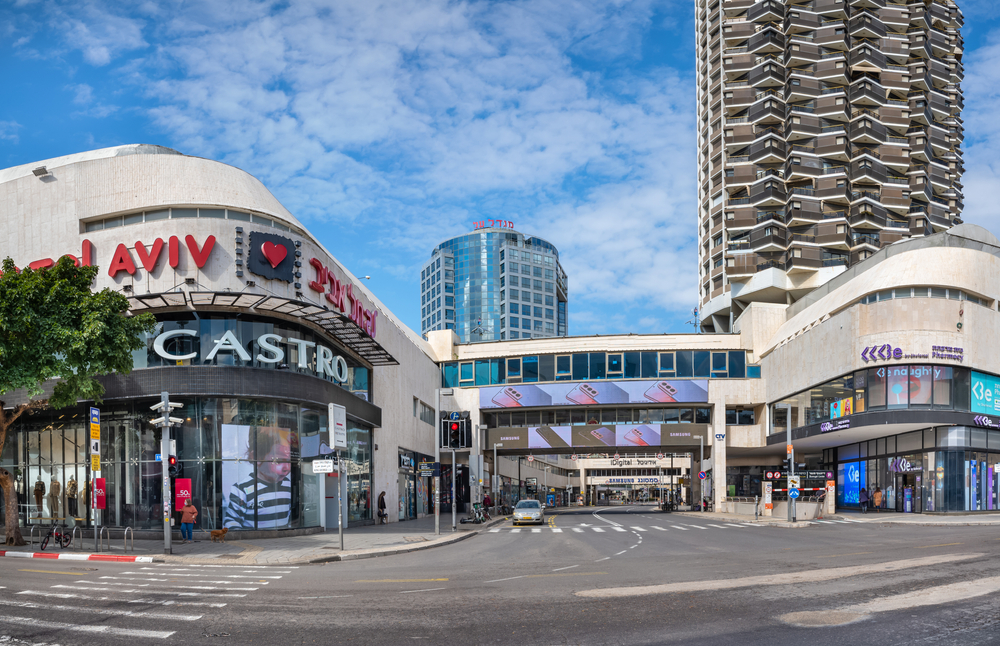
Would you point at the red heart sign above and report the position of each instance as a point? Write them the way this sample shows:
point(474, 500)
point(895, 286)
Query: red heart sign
point(274, 253)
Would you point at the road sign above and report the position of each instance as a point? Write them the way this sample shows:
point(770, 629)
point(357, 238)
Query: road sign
point(660, 456)
point(455, 415)
point(322, 466)
point(95, 462)
point(574, 457)
point(95, 446)
point(617, 456)
point(793, 493)
point(531, 458)
point(794, 482)
point(338, 425)
point(428, 469)
point(702, 475)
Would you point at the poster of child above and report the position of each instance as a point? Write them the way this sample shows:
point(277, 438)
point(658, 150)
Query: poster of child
point(257, 476)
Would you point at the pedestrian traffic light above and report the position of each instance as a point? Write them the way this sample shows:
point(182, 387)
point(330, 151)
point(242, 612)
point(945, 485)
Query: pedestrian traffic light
point(455, 434)
point(173, 469)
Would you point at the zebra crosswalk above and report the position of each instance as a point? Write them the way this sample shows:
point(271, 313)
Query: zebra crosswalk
point(663, 527)
point(152, 602)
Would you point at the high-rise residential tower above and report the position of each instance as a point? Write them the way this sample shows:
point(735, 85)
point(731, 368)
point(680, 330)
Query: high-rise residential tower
point(827, 129)
point(494, 284)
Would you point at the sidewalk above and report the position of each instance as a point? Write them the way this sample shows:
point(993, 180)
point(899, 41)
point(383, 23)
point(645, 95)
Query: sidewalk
point(369, 541)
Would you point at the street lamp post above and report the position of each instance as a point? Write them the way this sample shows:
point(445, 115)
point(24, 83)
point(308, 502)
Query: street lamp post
point(164, 422)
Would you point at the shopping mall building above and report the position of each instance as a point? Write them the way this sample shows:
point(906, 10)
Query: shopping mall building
point(885, 376)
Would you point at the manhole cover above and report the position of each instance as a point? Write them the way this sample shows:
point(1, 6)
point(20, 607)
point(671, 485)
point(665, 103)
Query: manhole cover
point(414, 539)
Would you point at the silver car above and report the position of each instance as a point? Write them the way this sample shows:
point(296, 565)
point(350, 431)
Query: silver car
point(529, 511)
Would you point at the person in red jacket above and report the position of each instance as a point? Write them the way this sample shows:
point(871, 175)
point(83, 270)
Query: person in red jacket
point(189, 513)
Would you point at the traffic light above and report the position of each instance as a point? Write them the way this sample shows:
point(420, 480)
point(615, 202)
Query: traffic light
point(173, 469)
point(455, 434)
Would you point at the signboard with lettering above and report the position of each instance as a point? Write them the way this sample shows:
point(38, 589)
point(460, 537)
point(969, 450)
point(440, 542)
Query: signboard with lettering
point(985, 393)
point(100, 497)
point(182, 492)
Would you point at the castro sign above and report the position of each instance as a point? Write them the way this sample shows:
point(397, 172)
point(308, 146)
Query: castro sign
point(271, 352)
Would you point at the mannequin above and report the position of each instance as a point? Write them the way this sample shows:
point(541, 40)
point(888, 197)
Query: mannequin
point(39, 492)
point(54, 490)
point(71, 497)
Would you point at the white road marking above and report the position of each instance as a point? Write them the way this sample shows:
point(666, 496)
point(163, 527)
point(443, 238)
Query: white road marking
point(154, 602)
point(178, 594)
point(494, 531)
point(536, 530)
point(603, 559)
point(507, 579)
point(619, 528)
point(104, 630)
point(245, 568)
point(557, 530)
point(719, 526)
point(925, 597)
point(424, 590)
point(679, 527)
point(662, 529)
point(101, 611)
point(736, 526)
point(638, 529)
point(568, 567)
point(633, 547)
point(697, 527)
point(825, 522)
point(577, 530)
point(790, 578)
point(597, 529)
point(620, 553)
point(338, 596)
point(515, 530)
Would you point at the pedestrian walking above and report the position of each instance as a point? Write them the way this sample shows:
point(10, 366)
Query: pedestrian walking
point(189, 513)
point(863, 499)
point(877, 498)
point(382, 516)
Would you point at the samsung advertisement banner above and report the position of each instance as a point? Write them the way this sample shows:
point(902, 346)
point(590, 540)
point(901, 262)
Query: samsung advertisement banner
point(593, 436)
point(596, 392)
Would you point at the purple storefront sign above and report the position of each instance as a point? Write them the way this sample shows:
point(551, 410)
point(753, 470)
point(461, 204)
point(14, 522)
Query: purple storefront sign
point(594, 393)
point(838, 425)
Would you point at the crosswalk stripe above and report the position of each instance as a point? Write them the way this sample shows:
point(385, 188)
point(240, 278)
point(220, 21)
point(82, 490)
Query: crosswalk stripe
point(638, 529)
point(659, 528)
point(557, 530)
point(179, 594)
point(536, 530)
point(618, 529)
point(101, 611)
point(719, 526)
point(186, 586)
point(679, 527)
point(597, 529)
point(732, 525)
point(697, 527)
point(494, 531)
point(577, 530)
point(104, 630)
point(515, 530)
point(825, 522)
point(152, 602)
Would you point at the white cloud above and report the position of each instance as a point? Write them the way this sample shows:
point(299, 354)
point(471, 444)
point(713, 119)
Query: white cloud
point(982, 129)
point(8, 130)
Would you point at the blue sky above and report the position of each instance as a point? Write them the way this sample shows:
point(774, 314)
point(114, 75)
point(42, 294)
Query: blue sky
point(387, 127)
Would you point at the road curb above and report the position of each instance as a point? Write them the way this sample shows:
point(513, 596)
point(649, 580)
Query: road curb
point(113, 558)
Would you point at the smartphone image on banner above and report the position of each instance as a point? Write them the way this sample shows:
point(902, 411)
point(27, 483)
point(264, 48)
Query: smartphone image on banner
point(661, 392)
point(635, 437)
point(583, 394)
point(508, 397)
point(552, 438)
point(603, 435)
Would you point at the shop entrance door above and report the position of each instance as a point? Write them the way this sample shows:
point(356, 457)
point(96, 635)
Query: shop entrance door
point(907, 493)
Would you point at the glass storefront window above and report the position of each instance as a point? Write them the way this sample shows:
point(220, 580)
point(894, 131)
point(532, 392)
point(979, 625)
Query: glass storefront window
point(942, 387)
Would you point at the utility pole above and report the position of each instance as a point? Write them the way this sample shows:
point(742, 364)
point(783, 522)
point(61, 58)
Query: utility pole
point(164, 422)
point(437, 461)
point(791, 470)
point(454, 492)
point(701, 467)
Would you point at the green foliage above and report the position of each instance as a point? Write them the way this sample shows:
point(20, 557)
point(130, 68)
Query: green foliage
point(53, 326)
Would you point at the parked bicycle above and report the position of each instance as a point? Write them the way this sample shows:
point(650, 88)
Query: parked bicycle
point(58, 534)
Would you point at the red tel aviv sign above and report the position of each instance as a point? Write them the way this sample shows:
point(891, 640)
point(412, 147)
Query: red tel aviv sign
point(148, 257)
point(340, 293)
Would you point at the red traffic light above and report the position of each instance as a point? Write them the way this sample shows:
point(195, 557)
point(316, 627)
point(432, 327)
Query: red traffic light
point(454, 426)
point(172, 461)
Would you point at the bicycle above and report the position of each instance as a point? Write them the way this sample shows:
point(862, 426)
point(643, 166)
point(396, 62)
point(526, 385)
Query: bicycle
point(62, 538)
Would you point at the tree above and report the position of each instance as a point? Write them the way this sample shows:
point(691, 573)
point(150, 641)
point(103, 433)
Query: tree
point(54, 327)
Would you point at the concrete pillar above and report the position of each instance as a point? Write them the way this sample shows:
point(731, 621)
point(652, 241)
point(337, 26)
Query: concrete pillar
point(719, 454)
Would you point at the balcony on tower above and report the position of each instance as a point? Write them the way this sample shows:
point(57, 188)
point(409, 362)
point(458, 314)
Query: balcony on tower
point(798, 21)
point(832, 107)
point(768, 238)
point(895, 18)
point(867, 58)
point(871, 5)
point(768, 110)
point(770, 150)
point(868, 171)
point(802, 126)
point(867, 93)
point(867, 214)
point(831, 9)
point(832, 38)
point(767, 41)
point(767, 11)
point(771, 74)
point(769, 193)
point(867, 130)
point(801, 89)
point(799, 168)
point(798, 54)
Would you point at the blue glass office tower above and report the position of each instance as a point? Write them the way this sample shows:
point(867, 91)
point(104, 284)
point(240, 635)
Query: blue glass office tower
point(494, 284)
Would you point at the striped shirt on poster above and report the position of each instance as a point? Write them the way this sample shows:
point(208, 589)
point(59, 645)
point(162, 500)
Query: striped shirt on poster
point(273, 503)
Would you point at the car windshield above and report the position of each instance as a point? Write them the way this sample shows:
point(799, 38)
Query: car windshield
point(528, 504)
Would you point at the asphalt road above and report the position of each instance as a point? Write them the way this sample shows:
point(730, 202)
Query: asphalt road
point(617, 576)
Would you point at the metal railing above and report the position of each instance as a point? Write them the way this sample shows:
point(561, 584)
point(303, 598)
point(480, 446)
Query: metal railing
point(105, 532)
point(128, 530)
point(76, 528)
point(31, 536)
